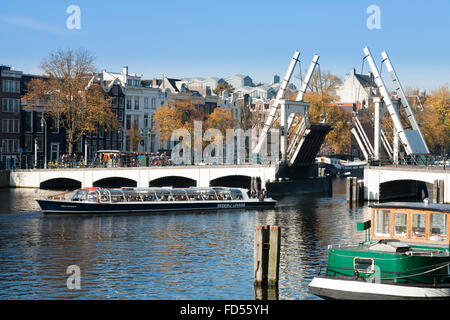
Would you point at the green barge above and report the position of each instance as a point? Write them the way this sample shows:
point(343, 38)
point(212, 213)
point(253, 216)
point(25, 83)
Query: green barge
point(405, 255)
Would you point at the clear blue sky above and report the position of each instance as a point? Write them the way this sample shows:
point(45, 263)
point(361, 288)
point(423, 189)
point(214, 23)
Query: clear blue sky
point(221, 38)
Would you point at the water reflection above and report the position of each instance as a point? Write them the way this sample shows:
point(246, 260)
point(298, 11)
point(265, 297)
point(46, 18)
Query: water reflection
point(202, 255)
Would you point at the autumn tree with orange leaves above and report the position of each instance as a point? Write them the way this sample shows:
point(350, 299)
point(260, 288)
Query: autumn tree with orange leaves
point(435, 120)
point(66, 94)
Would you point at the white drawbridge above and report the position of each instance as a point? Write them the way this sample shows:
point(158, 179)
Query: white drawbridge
point(291, 139)
point(412, 139)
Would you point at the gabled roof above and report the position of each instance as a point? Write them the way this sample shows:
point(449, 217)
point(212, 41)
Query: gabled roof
point(365, 80)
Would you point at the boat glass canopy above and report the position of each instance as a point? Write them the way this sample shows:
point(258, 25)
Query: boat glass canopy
point(127, 194)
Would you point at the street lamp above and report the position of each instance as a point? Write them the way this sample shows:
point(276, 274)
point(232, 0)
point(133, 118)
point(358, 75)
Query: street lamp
point(44, 127)
point(119, 139)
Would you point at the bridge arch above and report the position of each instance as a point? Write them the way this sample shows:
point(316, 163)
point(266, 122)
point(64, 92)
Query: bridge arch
point(405, 188)
point(238, 181)
point(115, 182)
point(173, 181)
point(60, 184)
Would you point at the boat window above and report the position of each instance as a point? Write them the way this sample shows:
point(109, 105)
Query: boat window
point(116, 195)
point(194, 195)
point(363, 265)
point(79, 195)
point(438, 226)
point(147, 194)
point(400, 224)
point(223, 194)
point(131, 195)
point(208, 194)
point(418, 225)
point(164, 195)
point(382, 220)
point(104, 195)
point(179, 195)
point(236, 194)
point(92, 196)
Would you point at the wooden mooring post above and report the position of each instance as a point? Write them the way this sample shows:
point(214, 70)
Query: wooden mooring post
point(354, 190)
point(266, 261)
point(438, 191)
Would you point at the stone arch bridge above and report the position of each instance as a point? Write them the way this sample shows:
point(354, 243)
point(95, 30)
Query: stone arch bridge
point(393, 182)
point(184, 176)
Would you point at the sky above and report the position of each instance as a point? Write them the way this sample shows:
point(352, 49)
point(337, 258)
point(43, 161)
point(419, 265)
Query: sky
point(220, 38)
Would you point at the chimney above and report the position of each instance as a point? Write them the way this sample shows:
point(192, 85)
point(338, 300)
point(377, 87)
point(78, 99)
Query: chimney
point(125, 70)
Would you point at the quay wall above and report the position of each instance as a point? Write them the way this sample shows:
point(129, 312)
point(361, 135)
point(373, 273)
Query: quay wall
point(4, 178)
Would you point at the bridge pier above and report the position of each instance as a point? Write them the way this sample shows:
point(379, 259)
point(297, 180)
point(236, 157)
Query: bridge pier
point(391, 182)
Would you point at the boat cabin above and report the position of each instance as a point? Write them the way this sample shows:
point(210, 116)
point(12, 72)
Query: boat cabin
point(419, 222)
point(100, 195)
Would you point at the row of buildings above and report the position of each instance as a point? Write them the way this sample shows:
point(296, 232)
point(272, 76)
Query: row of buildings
point(26, 135)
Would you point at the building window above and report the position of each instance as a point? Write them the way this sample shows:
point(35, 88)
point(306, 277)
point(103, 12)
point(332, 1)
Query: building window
point(146, 120)
point(136, 103)
point(10, 105)
point(10, 146)
point(10, 126)
point(54, 125)
point(28, 121)
point(128, 122)
point(11, 86)
point(129, 103)
point(136, 121)
point(146, 106)
point(38, 122)
point(28, 143)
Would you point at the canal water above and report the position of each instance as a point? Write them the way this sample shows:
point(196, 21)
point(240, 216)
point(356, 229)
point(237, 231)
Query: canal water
point(201, 255)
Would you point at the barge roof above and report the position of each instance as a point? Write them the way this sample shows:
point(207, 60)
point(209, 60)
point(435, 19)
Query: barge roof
point(413, 205)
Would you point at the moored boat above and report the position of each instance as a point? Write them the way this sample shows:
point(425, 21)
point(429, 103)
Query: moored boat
point(134, 200)
point(405, 255)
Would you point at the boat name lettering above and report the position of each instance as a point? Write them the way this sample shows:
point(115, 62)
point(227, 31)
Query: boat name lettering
point(231, 205)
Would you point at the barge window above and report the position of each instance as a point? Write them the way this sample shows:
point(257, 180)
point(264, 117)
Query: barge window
point(438, 226)
point(400, 224)
point(382, 221)
point(363, 265)
point(418, 225)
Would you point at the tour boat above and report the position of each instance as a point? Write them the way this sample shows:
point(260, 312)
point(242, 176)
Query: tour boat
point(405, 255)
point(135, 200)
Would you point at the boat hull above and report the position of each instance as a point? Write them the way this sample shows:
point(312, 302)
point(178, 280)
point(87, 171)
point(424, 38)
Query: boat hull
point(62, 207)
point(329, 288)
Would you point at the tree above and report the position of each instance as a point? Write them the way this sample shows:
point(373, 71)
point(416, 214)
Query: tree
point(221, 119)
point(221, 87)
point(435, 120)
point(67, 95)
point(172, 116)
point(135, 136)
point(321, 97)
